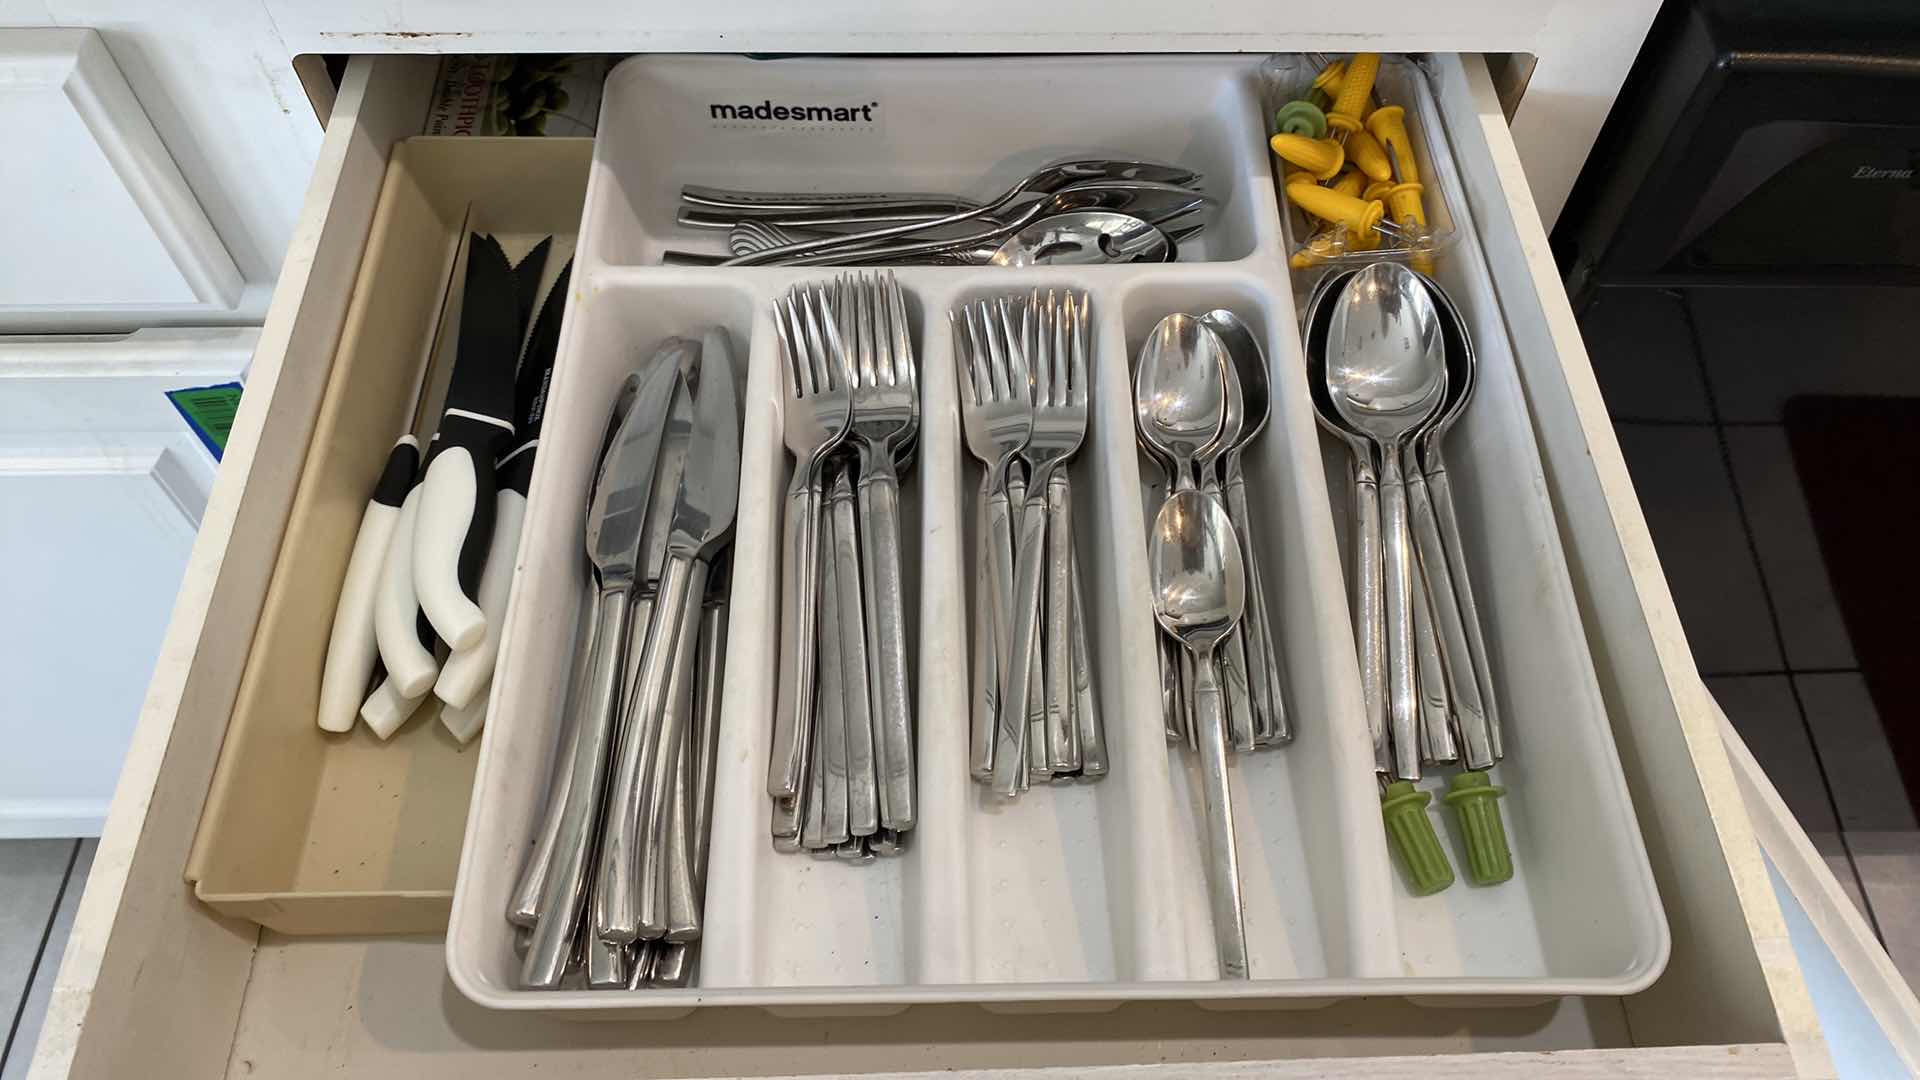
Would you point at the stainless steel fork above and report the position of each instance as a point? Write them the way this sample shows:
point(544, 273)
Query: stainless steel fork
point(816, 415)
point(997, 414)
point(886, 414)
point(1059, 424)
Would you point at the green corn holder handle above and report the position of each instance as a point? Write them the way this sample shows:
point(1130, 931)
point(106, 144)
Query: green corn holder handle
point(1475, 799)
point(1301, 118)
point(1404, 809)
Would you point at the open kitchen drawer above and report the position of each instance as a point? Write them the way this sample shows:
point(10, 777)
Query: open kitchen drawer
point(154, 983)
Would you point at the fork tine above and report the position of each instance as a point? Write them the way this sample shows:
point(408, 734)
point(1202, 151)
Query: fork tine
point(978, 359)
point(1057, 322)
point(1082, 344)
point(843, 316)
point(999, 345)
point(904, 368)
point(816, 338)
point(869, 343)
point(796, 387)
point(1038, 349)
point(963, 362)
point(1019, 378)
point(834, 356)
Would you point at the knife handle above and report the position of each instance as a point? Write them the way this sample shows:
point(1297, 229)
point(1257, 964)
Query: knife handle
point(467, 671)
point(410, 667)
point(386, 709)
point(465, 722)
point(351, 649)
point(456, 525)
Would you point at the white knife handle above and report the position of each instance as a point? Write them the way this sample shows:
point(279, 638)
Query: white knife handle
point(410, 666)
point(351, 649)
point(387, 708)
point(455, 529)
point(464, 723)
point(466, 672)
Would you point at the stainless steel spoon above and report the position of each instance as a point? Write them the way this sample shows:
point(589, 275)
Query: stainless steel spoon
point(1179, 393)
point(1369, 626)
point(1386, 374)
point(1249, 365)
point(1199, 591)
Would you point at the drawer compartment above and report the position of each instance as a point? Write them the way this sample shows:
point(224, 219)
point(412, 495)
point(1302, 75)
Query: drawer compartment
point(306, 831)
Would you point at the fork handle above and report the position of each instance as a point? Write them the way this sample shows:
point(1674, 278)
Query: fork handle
point(886, 602)
point(1009, 755)
point(800, 573)
point(1063, 738)
point(986, 652)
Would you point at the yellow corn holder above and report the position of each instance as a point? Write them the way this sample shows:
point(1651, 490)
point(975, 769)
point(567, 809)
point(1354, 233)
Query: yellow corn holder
point(1366, 154)
point(1388, 124)
point(1351, 103)
point(1321, 157)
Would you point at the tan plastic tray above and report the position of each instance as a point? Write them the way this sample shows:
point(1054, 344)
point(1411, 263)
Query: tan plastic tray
point(304, 831)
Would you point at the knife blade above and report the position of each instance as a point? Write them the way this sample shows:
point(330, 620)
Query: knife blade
point(466, 672)
point(455, 522)
point(703, 516)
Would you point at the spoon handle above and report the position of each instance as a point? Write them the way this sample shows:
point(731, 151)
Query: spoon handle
point(1442, 490)
point(1369, 615)
point(1443, 573)
point(1397, 551)
point(1263, 664)
point(1223, 861)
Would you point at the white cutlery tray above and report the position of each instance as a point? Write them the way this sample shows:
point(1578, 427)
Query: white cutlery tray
point(1080, 896)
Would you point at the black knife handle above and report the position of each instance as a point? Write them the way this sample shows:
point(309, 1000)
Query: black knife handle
point(456, 524)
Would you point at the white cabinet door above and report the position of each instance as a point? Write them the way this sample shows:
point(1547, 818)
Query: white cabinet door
point(100, 225)
point(102, 485)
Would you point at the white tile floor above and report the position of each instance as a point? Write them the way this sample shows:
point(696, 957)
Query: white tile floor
point(40, 883)
point(1696, 383)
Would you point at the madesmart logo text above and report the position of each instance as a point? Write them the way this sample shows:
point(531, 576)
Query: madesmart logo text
point(805, 114)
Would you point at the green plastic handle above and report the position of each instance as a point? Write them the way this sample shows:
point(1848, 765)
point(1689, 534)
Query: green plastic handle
point(1301, 118)
point(1404, 808)
point(1475, 799)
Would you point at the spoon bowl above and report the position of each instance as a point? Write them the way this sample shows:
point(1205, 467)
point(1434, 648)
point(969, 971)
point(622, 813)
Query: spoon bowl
point(1179, 392)
point(1386, 357)
point(1249, 367)
point(1199, 581)
point(1084, 237)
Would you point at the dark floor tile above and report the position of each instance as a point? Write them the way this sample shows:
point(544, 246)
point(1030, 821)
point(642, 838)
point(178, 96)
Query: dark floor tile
point(1763, 346)
point(1833, 850)
point(1853, 749)
point(1889, 864)
point(1761, 708)
point(1687, 495)
point(1642, 353)
point(1811, 627)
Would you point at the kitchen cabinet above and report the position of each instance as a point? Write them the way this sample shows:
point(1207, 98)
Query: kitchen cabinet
point(103, 473)
point(154, 981)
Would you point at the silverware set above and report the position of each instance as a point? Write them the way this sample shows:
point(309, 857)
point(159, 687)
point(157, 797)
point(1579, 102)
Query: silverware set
point(1391, 368)
point(1079, 211)
point(841, 772)
point(611, 892)
point(1200, 397)
point(1022, 365)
